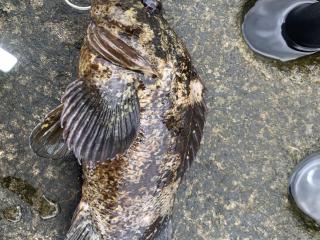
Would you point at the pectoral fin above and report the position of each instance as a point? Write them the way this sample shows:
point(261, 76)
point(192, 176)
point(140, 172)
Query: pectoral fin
point(100, 122)
point(117, 51)
point(46, 139)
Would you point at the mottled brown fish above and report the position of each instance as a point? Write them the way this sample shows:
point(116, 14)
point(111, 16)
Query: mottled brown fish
point(134, 119)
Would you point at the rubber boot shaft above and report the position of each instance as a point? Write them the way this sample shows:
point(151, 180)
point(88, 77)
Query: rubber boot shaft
point(302, 25)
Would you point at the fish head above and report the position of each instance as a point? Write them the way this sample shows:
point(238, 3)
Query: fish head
point(125, 12)
point(153, 6)
point(124, 8)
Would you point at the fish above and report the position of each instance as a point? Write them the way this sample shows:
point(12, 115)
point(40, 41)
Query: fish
point(133, 118)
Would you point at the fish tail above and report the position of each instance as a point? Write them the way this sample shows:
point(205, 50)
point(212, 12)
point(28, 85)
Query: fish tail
point(82, 226)
point(161, 229)
point(166, 232)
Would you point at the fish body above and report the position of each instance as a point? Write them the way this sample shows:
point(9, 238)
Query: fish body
point(134, 119)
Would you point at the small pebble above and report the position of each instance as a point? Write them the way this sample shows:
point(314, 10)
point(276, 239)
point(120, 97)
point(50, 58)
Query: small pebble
point(12, 214)
point(47, 209)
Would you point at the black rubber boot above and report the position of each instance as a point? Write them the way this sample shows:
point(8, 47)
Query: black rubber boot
point(283, 29)
point(304, 189)
point(302, 26)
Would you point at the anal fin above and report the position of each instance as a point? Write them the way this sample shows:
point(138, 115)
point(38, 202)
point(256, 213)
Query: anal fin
point(82, 227)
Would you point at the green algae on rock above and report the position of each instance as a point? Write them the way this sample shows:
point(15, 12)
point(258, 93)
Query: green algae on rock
point(34, 197)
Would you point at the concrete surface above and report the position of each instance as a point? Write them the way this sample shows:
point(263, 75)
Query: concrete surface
point(264, 116)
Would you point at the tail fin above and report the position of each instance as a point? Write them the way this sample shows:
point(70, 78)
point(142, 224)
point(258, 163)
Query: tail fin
point(161, 229)
point(82, 227)
point(166, 232)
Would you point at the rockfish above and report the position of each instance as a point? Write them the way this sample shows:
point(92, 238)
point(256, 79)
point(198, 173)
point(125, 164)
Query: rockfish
point(134, 119)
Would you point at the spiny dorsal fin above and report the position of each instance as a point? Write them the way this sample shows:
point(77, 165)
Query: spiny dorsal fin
point(193, 121)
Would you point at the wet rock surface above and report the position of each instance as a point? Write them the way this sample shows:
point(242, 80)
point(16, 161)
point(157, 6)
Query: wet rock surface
point(263, 119)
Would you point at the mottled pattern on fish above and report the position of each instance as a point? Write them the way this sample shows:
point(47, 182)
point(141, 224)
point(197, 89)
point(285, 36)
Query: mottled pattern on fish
point(134, 119)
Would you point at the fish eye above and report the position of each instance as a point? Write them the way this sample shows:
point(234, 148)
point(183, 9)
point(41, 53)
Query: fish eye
point(152, 5)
